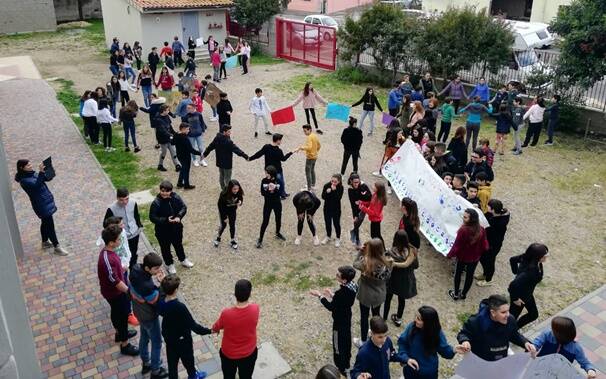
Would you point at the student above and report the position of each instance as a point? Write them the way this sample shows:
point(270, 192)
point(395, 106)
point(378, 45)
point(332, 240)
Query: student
point(374, 356)
point(369, 101)
point(478, 164)
point(144, 296)
point(245, 54)
point(222, 69)
point(458, 185)
point(165, 81)
point(215, 62)
point(448, 113)
point(352, 139)
point(114, 289)
point(488, 153)
point(191, 47)
point(417, 115)
point(488, 333)
point(196, 99)
point(375, 270)
point(310, 98)
point(270, 190)
point(410, 222)
point(212, 44)
point(447, 178)
point(427, 84)
point(229, 200)
point(458, 150)
point(197, 128)
point(468, 247)
point(42, 200)
point(405, 86)
point(128, 68)
point(153, 59)
point(374, 209)
point(181, 109)
point(402, 281)
point(517, 114)
point(405, 111)
point(239, 324)
point(561, 340)
point(311, 148)
point(113, 93)
point(166, 50)
point(86, 96)
point(184, 153)
point(127, 116)
point(394, 99)
point(528, 269)
point(105, 121)
point(260, 109)
point(484, 191)
point(164, 136)
point(394, 137)
point(138, 54)
point(456, 91)
point(306, 204)
point(166, 213)
point(498, 218)
point(504, 124)
point(274, 156)
point(499, 98)
point(128, 210)
point(534, 115)
point(554, 115)
point(178, 50)
point(472, 194)
point(113, 60)
point(420, 344)
point(125, 86)
point(332, 194)
point(339, 304)
point(224, 109)
point(481, 90)
point(190, 67)
point(225, 150)
point(177, 326)
point(417, 95)
point(358, 191)
point(474, 117)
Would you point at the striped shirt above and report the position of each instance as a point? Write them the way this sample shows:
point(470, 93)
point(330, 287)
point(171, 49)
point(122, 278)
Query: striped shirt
point(110, 273)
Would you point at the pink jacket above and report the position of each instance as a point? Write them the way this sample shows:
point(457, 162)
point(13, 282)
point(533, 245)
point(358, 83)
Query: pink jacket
point(215, 59)
point(310, 100)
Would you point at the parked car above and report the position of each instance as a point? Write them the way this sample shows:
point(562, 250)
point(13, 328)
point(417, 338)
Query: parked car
point(530, 35)
point(302, 36)
point(323, 20)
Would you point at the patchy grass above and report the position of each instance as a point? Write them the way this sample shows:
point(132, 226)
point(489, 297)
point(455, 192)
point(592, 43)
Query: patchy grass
point(95, 35)
point(264, 59)
point(296, 277)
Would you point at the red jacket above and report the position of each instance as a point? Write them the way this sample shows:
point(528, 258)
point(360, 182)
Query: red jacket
point(215, 59)
point(373, 208)
point(466, 252)
point(166, 82)
point(198, 103)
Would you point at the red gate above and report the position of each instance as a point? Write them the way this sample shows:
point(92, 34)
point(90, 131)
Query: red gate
point(307, 43)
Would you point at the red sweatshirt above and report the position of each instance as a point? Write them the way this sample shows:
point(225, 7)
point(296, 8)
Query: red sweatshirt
point(466, 252)
point(166, 82)
point(373, 208)
point(239, 330)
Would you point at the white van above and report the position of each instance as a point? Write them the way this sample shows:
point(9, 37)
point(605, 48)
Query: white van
point(531, 35)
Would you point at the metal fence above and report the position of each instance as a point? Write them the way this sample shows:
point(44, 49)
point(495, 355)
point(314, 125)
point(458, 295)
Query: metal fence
point(521, 70)
point(307, 43)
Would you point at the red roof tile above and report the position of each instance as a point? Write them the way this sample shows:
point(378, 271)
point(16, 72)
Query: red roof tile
point(146, 5)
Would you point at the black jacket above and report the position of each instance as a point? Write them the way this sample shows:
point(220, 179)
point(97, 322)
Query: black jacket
point(527, 278)
point(184, 147)
point(161, 209)
point(361, 193)
point(164, 129)
point(495, 233)
point(340, 306)
point(178, 323)
point(228, 203)
point(352, 138)
point(332, 199)
point(458, 150)
point(472, 170)
point(370, 101)
point(224, 106)
point(301, 208)
point(490, 339)
point(153, 59)
point(225, 149)
point(270, 196)
point(274, 156)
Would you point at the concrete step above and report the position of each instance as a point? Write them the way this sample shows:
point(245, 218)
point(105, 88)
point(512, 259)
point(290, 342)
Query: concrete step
point(202, 54)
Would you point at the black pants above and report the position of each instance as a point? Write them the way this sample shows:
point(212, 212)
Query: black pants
point(183, 350)
point(457, 104)
point(310, 223)
point(153, 69)
point(139, 62)
point(133, 246)
point(268, 207)
point(532, 313)
point(184, 172)
point(47, 230)
point(393, 112)
point(107, 134)
point(487, 260)
point(244, 64)
point(444, 131)
point(364, 313)
point(172, 236)
point(401, 305)
point(359, 219)
point(533, 131)
point(354, 158)
point(375, 230)
point(341, 347)
point(87, 124)
point(178, 58)
point(244, 366)
point(313, 116)
point(120, 309)
point(223, 71)
point(469, 269)
point(332, 218)
point(124, 98)
point(230, 216)
point(91, 128)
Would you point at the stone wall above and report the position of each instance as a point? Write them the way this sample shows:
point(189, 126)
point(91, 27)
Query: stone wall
point(73, 10)
point(22, 16)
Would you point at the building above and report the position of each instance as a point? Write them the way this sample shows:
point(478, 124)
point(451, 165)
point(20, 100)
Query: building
point(23, 16)
point(152, 22)
point(522, 10)
point(324, 6)
point(73, 10)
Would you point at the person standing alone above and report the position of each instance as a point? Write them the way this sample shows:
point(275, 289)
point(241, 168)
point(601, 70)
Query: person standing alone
point(311, 148)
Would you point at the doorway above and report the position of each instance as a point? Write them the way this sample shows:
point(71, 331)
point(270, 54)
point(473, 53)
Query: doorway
point(519, 10)
point(189, 23)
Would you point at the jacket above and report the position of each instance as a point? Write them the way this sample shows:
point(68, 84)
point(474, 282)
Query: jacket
point(412, 346)
point(372, 289)
point(472, 170)
point(374, 360)
point(413, 235)
point(481, 90)
point(352, 138)
point(258, 106)
point(464, 250)
point(153, 59)
point(184, 148)
point(301, 208)
point(361, 193)
point(197, 127)
point(484, 194)
point(181, 109)
point(427, 85)
point(373, 208)
point(416, 96)
point(153, 109)
point(489, 154)
point(448, 112)
point(165, 82)
point(164, 129)
point(535, 114)
point(458, 150)
point(34, 185)
point(274, 156)
point(161, 209)
point(370, 101)
point(546, 344)
point(340, 306)
point(517, 115)
point(224, 106)
point(403, 281)
point(225, 149)
point(332, 199)
point(312, 146)
point(554, 111)
point(527, 278)
point(498, 98)
point(490, 339)
point(130, 217)
point(504, 122)
point(270, 196)
point(394, 99)
point(143, 292)
point(455, 90)
point(495, 233)
point(309, 101)
point(178, 323)
point(474, 111)
point(229, 202)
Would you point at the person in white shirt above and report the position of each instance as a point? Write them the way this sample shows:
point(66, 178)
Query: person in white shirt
point(89, 116)
point(105, 120)
point(259, 108)
point(128, 68)
point(534, 115)
point(125, 86)
point(245, 53)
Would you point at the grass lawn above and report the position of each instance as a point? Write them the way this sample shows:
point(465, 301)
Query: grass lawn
point(264, 59)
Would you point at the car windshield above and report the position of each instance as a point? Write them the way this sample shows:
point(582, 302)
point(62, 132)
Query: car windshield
point(330, 22)
point(526, 58)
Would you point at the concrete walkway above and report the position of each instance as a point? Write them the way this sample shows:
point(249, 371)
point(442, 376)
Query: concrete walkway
point(68, 316)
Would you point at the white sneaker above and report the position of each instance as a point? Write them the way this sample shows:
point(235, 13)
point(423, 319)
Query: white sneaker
point(325, 240)
point(337, 242)
point(204, 163)
point(377, 173)
point(213, 119)
point(187, 263)
point(389, 191)
point(298, 240)
point(196, 163)
point(316, 241)
point(171, 269)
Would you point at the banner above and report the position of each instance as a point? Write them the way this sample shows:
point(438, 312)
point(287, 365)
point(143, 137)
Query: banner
point(336, 111)
point(440, 209)
point(231, 62)
point(387, 118)
point(283, 116)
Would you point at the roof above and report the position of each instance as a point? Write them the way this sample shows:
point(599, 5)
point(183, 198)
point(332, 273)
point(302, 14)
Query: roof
point(153, 5)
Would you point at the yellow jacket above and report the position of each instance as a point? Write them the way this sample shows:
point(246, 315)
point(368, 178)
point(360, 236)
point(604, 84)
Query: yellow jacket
point(311, 146)
point(484, 194)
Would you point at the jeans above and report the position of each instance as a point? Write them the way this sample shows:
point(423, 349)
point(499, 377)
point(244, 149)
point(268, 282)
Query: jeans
point(401, 305)
point(224, 177)
point(147, 91)
point(107, 135)
point(129, 129)
point(268, 207)
point(280, 177)
point(47, 230)
point(198, 144)
point(214, 109)
point(310, 173)
point(354, 158)
point(533, 131)
point(184, 172)
point(173, 235)
point(216, 73)
point(114, 69)
point(359, 219)
point(173, 154)
point(444, 131)
point(551, 128)
point(120, 309)
point(310, 223)
point(469, 269)
point(265, 122)
point(229, 216)
point(364, 313)
point(371, 116)
point(472, 129)
point(313, 116)
point(150, 332)
point(244, 366)
point(332, 218)
point(531, 309)
point(516, 137)
point(112, 105)
point(130, 73)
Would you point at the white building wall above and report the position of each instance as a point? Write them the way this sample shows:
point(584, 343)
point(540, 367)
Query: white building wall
point(159, 27)
point(206, 18)
point(546, 10)
point(121, 20)
point(442, 5)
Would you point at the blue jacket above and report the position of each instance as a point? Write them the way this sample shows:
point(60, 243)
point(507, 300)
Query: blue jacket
point(197, 127)
point(410, 345)
point(416, 96)
point(474, 111)
point(34, 184)
point(554, 111)
point(177, 47)
point(181, 110)
point(395, 98)
point(546, 344)
point(374, 360)
point(481, 90)
point(504, 122)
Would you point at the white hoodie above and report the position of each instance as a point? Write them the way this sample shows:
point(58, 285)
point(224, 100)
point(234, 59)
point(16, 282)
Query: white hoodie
point(535, 114)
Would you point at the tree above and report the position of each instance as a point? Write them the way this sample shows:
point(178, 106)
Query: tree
point(582, 26)
point(398, 45)
point(252, 14)
point(351, 41)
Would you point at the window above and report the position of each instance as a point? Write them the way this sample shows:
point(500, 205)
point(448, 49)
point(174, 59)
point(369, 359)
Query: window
point(316, 21)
